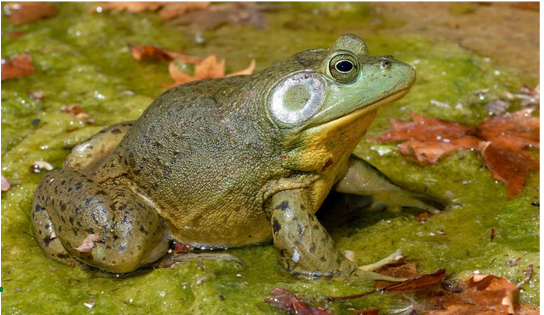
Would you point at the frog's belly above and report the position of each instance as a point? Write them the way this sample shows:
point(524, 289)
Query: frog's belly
point(219, 228)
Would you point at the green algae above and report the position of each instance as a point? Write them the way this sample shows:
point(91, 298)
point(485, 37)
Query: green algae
point(83, 58)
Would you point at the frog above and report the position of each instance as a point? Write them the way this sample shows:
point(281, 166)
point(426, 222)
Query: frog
point(230, 162)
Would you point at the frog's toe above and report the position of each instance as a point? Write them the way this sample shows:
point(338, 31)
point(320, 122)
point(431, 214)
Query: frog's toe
point(396, 200)
point(391, 259)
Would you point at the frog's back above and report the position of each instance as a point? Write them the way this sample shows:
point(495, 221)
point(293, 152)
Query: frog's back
point(203, 156)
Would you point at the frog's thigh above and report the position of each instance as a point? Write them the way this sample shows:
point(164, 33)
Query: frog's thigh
point(69, 206)
point(87, 155)
point(305, 246)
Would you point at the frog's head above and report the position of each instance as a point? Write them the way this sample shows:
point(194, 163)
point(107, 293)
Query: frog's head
point(333, 91)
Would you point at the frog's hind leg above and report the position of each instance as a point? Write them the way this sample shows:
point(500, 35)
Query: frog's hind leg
point(363, 179)
point(102, 225)
point(87, 155)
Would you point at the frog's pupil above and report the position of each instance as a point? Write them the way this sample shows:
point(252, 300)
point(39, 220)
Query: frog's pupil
point(344, 66)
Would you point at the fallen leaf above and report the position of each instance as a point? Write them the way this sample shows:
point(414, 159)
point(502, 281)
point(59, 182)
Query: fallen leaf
point(227, 13)
point(26, 12)
point(530, 6)
point(505, 152)
point(88, 243)
point(6, 185)
point(172, 9)
point(140, 52)
point(209, 68)
point(502, 141)
point(76, 110)
point(131, 7)
point(367, 311)
point(481, 294)
point(15, 34)
point(16, 67)
point(167, 10)
point(286, 300)
point(429, 138)
point(249, 70)
point(416, 283)
point(37, 95)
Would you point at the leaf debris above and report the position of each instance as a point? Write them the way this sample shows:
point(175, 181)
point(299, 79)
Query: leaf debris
point(502, 141)
point(17, 67)
point(209, 68)
point(88, 243)
point(26, 12)
point(286, 300)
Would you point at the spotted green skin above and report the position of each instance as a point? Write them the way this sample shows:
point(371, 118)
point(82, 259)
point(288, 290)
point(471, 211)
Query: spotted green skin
point(207, 164)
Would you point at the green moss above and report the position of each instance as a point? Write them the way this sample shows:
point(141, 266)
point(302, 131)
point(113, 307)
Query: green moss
point(83, 58)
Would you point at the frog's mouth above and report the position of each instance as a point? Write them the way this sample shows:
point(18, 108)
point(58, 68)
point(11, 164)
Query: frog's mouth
point(358, 112)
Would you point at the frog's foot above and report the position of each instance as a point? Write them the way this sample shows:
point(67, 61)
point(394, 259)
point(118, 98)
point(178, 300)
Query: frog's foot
point(363, 179)
point(88, 155)
point(173, 259)
point(397, 199)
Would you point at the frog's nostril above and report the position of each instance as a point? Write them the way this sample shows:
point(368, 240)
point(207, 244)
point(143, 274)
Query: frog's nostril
point(386, 64)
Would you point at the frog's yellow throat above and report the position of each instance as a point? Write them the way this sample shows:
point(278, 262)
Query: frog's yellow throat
point(333, 141)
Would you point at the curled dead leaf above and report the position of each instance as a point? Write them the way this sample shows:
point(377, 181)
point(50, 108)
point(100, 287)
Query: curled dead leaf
point(167, 10)
point(209, 68)
point(131, 7)
point(171, 10)
point(286, 300)
point(26, 12)
point(506, 139)
point(18, 66)
point(481, 294)
point(88, 243)
point(75, 110)
point(140, 52)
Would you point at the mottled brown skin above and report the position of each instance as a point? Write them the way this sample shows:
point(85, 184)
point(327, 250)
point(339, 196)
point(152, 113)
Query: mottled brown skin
point(210, 164)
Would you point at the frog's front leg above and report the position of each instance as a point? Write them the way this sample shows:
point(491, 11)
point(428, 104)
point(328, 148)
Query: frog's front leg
point(104, 225)
point(306, 247)
point(87, 155)
point(363, 179)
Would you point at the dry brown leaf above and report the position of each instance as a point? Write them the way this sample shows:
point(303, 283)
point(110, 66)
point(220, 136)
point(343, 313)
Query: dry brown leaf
point(26, 12)
point(131, 7)
point(88, 243)
point(209, 68)
point(506, 139)
point(482, 294)
point(167, 10)
point(416, 280)
point(429, 138)
point(76, 110)
point(505, 152)
point(18, 66)
point(227, 13)
point(172, 9)
point(247, 71)
point(286, 300)
point(140, 52)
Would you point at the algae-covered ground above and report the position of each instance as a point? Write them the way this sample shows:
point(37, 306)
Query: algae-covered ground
point(83, 58)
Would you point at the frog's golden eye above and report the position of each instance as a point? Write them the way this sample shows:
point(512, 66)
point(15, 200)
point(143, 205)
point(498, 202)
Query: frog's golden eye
point(344, 68)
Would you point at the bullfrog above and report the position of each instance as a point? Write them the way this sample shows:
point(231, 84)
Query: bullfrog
point(230, 162)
